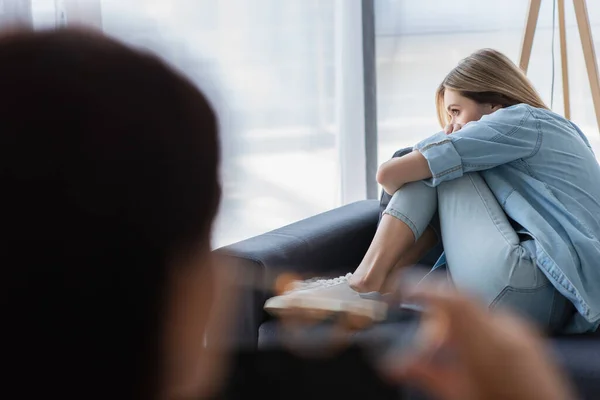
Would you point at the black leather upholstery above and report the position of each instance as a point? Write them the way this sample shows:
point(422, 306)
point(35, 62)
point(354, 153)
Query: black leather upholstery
point(330, 243)
point(333, 243)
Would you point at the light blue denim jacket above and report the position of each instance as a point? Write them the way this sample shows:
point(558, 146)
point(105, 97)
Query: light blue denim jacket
point(545, 176)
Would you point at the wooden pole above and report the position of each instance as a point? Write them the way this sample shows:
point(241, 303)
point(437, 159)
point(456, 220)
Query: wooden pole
point(585, 34)
point(532, 18)
point(563, 57)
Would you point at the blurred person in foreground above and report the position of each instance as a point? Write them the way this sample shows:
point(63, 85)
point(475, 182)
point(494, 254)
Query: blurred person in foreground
point(109, 169)
point(109, 172)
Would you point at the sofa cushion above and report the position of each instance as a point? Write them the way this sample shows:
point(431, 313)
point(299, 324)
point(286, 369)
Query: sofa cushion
point(579, 355)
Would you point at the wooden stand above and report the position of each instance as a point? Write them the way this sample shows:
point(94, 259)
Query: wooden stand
point(587, 43)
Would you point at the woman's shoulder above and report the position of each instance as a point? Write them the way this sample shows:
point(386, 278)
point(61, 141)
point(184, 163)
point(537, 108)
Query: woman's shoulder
point(521, 112)
point(539, 112)
point(524, 108)
point(557, 123)
point(520, 109)
point(509, 117)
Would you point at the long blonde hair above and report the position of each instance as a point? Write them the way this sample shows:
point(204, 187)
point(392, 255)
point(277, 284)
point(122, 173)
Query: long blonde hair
point(488, 76)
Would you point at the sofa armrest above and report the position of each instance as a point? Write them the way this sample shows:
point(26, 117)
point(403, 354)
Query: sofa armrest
point(333, 242)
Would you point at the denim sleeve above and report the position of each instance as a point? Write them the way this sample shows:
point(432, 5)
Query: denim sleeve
point(504, 136)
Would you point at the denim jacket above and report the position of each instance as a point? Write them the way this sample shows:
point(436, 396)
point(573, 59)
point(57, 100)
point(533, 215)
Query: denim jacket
point(543, 172)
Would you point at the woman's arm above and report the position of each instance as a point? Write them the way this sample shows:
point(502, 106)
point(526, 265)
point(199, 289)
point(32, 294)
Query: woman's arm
point(499, 138)
point(504, 136)
point(395, 173)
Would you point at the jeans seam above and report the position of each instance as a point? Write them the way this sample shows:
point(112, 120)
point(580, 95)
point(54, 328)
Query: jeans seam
point(489, 211)
point(397, 214)
point(500, 296)
point(517, 290)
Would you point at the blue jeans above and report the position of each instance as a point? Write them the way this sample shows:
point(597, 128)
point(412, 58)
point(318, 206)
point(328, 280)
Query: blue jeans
point(485, 256)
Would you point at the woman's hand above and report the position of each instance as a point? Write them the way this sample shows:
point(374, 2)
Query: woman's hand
point(452, 127)
point(472, 354)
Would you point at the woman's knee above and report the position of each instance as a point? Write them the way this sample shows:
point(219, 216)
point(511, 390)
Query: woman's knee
point(415, 204)
point(465, 185)
point(469, 212)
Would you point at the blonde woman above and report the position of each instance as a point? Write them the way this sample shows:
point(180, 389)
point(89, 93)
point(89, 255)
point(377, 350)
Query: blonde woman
point(517, 191)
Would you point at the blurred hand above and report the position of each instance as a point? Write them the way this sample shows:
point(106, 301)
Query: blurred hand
point(202, 313)
point(452, 127)
point(469, 353)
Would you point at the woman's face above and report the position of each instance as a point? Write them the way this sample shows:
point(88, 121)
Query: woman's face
point(463, 110)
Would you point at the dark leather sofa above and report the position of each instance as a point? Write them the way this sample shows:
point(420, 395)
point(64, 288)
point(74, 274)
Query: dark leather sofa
point(334, 243)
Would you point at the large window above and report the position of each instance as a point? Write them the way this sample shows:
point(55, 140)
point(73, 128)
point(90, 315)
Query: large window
point(275, 64)
point(418, 43)
point(275, 68)
point(289, 78)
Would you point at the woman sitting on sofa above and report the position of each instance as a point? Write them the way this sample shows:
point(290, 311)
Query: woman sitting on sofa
point(517, 191)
